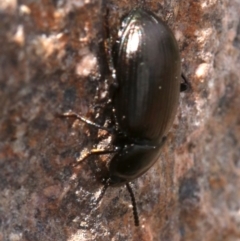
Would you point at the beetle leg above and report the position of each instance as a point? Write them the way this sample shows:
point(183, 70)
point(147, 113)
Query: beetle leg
point(106, 185)
point(100, 197)
point(185, 85)
point(86, 121)
point(95, 152)
point(134, 206)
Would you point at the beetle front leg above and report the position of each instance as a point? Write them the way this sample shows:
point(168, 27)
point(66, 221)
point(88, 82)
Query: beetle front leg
point(84, 120)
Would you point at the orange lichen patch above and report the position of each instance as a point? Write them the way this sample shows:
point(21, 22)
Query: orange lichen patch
point(217, 182)
point(196, 15)
point(192, 13)
point(45, 16)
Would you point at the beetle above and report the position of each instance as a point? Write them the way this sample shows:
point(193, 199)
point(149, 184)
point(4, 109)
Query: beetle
point(148, 72)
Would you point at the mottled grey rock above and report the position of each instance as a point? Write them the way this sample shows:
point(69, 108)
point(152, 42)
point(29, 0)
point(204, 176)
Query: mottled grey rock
point(52, 60)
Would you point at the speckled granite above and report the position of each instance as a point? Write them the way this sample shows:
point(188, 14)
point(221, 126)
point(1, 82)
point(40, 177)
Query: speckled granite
point(51, 61)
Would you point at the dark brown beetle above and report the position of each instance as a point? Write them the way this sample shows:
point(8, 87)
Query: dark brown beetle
point(148, 72)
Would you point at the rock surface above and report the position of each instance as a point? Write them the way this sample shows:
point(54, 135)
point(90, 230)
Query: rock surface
point(52, 60)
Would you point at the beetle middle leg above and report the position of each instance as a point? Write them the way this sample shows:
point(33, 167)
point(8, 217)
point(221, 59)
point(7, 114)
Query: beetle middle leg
point(93, 151)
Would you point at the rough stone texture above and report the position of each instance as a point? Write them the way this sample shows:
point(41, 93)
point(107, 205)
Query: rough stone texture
point(52, 61)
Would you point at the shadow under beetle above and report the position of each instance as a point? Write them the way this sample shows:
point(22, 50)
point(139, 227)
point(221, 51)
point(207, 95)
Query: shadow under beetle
point(148, 72)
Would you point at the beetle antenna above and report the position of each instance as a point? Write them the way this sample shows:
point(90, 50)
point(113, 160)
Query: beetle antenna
point(134, 206)
point(104, 189)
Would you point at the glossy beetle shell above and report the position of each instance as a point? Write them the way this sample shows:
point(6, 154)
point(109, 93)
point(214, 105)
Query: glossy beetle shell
point(148, 73)
point(147, 63)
